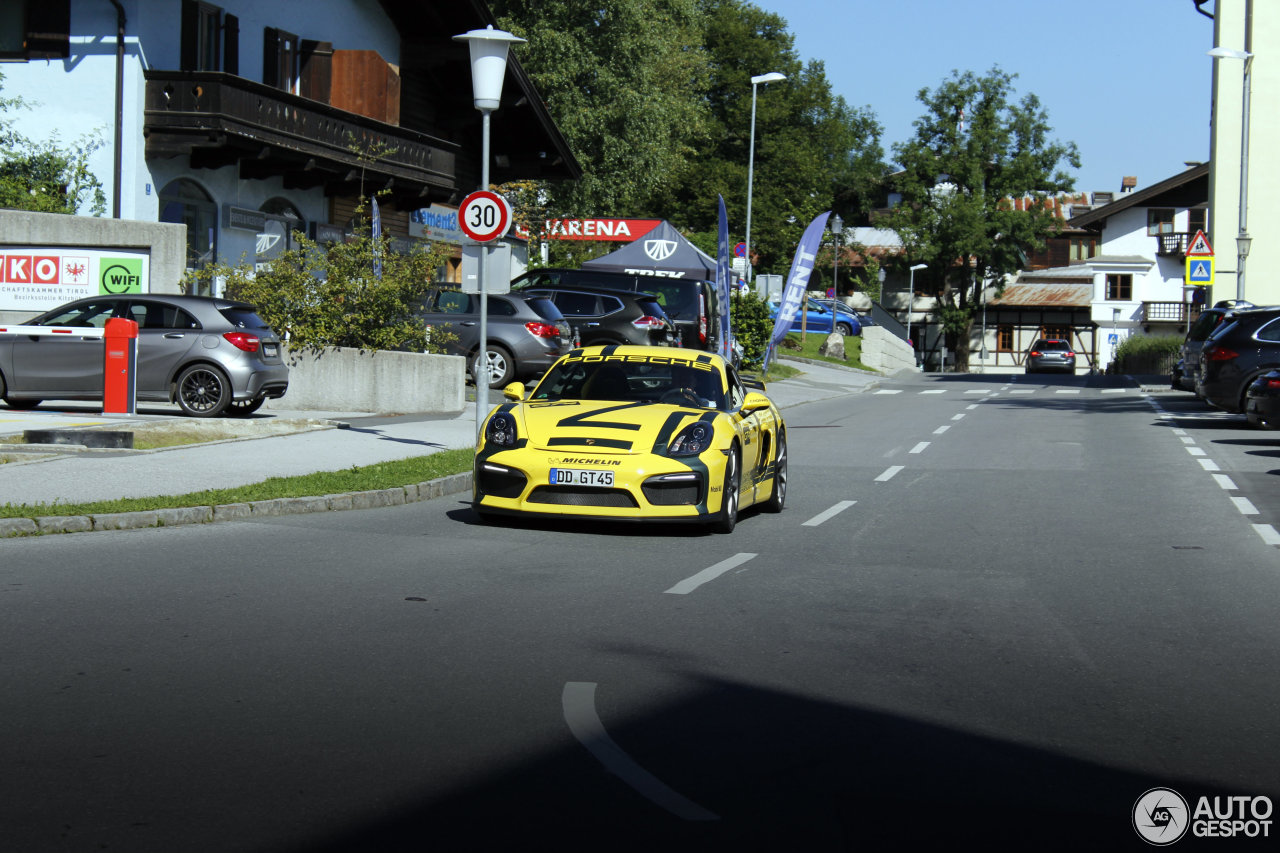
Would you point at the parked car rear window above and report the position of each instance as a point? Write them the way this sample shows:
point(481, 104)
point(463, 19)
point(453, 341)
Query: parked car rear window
point(651, 307)
point(243, 318)
point(545, 308)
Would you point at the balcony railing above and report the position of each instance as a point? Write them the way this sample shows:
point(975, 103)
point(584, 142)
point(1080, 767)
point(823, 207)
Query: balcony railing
point(1170, 312)
point(231, 118)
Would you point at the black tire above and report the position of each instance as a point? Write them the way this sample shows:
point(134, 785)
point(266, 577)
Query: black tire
point(844, 329)
point(203, 391)
point(15, 403)
point(728, 518)
point(778, 496)
point(244, 408)
point(501, 366)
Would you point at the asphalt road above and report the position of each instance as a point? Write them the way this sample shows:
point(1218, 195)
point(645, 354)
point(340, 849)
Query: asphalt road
point(995, 612)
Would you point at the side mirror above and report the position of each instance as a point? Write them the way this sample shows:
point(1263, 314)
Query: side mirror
point(514, 391)
point(754, 402)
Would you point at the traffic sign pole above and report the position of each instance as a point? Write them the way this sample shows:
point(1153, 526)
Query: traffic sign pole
point(483, 216)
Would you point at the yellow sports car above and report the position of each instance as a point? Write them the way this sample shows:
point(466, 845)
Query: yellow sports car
point(633, 433)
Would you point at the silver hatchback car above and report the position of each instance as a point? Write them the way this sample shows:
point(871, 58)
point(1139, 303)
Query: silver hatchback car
point(211, 356)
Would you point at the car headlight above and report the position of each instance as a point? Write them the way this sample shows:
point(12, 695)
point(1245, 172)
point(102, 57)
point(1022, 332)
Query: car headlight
point(501, 430)
point(692, 440)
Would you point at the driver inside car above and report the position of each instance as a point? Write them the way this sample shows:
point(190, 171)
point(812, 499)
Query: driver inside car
point(691, 387)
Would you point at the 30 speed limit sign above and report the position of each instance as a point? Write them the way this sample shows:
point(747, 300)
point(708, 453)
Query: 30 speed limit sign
point(484, 216)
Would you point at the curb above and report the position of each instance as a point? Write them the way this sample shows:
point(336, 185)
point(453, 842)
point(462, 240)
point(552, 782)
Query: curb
point(176, 516)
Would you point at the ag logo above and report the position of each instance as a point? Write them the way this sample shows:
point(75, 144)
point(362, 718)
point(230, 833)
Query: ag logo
point(120, 275)
point(1161, 816)
point(659, 250)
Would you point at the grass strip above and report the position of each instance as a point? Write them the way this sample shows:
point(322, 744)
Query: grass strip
point(384, 475)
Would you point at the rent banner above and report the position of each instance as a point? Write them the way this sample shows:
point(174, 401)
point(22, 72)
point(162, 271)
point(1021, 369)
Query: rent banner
point(797, 280)
point(722, 280)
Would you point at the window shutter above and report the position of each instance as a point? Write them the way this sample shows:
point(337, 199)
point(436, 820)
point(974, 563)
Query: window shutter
point(231, 44)
point(271, 56)
point(317, 70)
point(189, 47)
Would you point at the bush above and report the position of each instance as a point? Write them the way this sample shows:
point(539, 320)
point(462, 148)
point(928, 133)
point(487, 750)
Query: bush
point(751, 325)
point(1148, 345)
point(328, 295)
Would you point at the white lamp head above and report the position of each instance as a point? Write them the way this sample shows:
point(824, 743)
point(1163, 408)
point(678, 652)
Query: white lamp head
point(1229, 53)
point(920, 267)
point(771, 77)
point(489, 49)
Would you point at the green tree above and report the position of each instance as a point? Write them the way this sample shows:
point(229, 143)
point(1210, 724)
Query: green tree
point(624, 80)
point(329, 295)
point(45, 176)
point(976, 151)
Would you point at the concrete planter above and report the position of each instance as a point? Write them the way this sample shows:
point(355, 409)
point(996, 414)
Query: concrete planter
point(381, 381)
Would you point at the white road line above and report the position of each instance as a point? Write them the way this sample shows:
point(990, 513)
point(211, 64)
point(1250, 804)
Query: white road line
point(578, 701)
point(889, 391)
point(972, 406)
point(1067, 391)
point(689, 584)
point(1179, 431)
point(1186, 439)
point(1245, 506)
point(919, 448)
point(890, 471)
point(828, 513)
point(957, 417)
point(942, 391)
point(940, 430)
point(1268, 534)
point(1114, 390)
point(1196, 451)
point(1023, 391)
point(982, 391)
point(1224, 481)
point(1208, 465)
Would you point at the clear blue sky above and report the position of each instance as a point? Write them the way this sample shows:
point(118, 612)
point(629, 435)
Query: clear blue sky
point(1127, 80)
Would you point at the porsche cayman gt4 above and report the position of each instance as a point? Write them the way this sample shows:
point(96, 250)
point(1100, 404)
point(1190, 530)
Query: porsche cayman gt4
point(633, 433)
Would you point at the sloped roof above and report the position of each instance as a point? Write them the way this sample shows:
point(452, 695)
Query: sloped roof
point(1150, 196)
point(1046, 295)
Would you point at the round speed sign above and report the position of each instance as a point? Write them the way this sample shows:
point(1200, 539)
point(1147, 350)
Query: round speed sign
point(484, 216)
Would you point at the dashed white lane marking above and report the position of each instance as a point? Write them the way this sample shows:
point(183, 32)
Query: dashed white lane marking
point(972, 406)
point(578, 701)
point(919, 448)
point(1224, 481)
point(1022, 391)
point(827, 514)
point(1067, 391)
point(940, 430)
point(1245, 506)
point(1186, 439)
point(1179, 432)
point(1268, 534)
point(942, 391)
point(1196, 451)
point(889, 391)
point(689, 584)
point(891, 470)
point(1114, 390)
point(982, 391)
point(1208, 464)
point(957, 417)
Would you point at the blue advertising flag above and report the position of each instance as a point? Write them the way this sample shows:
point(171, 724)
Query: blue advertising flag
point(377, 240)
point(797, 280)
point(722, 280)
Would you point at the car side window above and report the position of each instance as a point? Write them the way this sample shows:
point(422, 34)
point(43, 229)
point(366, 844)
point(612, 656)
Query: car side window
point(737, 394)
point(500, 307)
point(453, 302)
point(155, 315)
point(610, 304)
point(1270, 332)
point(577, 304)
point(86, 315)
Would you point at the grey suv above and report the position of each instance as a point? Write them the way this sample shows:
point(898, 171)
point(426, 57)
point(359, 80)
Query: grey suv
point(526, 333)
point(603, 316)
point(210, 356)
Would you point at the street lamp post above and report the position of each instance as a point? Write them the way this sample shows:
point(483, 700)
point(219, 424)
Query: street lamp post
point(771, 77)
point(489, 48)
point(1242, 238)
point(911, 301)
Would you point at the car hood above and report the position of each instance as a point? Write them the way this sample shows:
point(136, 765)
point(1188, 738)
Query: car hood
point(594, 426)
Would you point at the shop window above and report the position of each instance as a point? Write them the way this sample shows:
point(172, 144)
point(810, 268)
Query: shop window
point(186, 203)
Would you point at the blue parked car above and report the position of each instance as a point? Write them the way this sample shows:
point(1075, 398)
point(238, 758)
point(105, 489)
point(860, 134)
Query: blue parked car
point(819, 319)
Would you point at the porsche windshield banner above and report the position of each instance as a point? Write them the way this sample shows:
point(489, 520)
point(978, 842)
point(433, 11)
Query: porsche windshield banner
point(797, 280)
point(37, 278)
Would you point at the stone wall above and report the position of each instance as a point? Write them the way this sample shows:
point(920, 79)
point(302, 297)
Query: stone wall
point(381, 381)
point(886, 352)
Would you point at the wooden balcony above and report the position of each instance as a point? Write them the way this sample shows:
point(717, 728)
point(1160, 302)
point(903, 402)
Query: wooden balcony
point(1170, 312)
point(219, 119)
point(1173, 245)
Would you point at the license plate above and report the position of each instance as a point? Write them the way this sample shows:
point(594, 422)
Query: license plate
point(270, 350)
point(581, 477)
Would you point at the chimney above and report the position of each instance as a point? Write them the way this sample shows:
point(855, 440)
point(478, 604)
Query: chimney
point(1127, 183)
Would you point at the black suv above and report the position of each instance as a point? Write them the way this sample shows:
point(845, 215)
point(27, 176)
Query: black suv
point(602, 316)
point(1243, 347)
point(1187, 370)
point(690, 303)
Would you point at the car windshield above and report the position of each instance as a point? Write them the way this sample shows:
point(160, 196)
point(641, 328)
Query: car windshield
point(639, 379)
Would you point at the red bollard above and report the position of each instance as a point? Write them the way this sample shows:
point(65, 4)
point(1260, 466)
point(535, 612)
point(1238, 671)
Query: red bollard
point(120, 367)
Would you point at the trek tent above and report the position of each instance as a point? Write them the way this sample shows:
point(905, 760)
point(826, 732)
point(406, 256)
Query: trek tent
point(662, 252)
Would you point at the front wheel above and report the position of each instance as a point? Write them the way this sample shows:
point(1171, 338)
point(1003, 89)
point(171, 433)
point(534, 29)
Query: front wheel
point(778, 496)
point(498, 367)
point(729, 495)
point(203, 391)
point(844, 329)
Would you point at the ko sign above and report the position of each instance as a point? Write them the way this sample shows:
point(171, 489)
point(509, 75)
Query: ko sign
point(484, 216)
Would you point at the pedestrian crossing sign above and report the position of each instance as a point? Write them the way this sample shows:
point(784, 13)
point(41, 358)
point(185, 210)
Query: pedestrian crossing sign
point(1200, 269)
